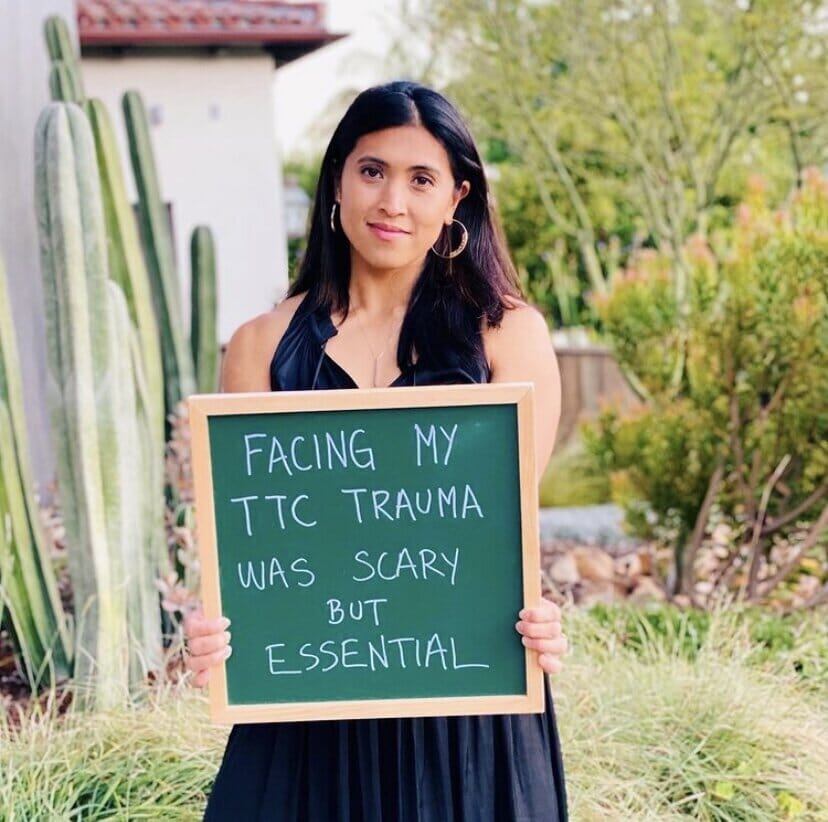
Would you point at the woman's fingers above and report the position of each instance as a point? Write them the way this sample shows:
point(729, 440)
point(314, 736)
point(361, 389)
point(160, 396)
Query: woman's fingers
point(542, 631)
point(202, 645)
point(206, 661)
point(196, 624)
point(207, 645)
point(545, 612)
point(557, 646)
point(550, 664)
point(201, 678)
point(539, 630)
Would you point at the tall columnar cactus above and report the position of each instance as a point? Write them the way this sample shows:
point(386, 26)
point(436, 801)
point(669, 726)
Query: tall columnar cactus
point(128, 269)
point(64, 83)
point(203, 313)
point(27, 578)
point(179, 380)
point(62, 51)
point(139, 517)
point(126, 261)
point(94, 422)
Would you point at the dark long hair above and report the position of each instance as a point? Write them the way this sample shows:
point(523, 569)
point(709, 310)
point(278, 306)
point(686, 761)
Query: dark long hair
point(449, 299)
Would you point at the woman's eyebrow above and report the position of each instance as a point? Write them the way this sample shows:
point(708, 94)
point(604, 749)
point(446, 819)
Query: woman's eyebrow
point(379, 162)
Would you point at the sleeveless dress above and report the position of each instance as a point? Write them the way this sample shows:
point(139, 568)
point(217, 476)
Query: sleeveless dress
point(498, 768)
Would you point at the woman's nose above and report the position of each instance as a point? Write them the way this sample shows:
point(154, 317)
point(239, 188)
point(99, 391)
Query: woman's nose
point(392, 201)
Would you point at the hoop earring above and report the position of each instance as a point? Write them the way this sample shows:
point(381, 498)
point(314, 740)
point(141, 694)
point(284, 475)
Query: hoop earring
point(333, 215)
point(459, 250)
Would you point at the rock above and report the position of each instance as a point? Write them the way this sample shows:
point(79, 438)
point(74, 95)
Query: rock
point(564, 570)
point(646, 589)
point(645, 557)
point(593, 564)
point(628, 567)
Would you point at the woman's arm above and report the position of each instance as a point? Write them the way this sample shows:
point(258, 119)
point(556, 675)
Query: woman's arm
point(521, 351)
point(246, 365)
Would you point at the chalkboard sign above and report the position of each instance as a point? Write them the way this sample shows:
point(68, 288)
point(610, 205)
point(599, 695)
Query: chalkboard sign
point(371, 548)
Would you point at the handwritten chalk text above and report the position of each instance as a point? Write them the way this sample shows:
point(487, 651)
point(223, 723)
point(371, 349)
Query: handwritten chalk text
point(321, 451)
point(396, 505)
point(377, 653)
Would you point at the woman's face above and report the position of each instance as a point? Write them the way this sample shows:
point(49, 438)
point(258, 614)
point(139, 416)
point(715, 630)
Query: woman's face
point(395, 195)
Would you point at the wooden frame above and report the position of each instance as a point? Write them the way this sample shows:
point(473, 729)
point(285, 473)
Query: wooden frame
point(204, 406)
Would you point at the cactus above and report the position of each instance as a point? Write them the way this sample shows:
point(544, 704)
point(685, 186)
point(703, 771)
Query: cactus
point(26, 571)
point(83, 374)
point(62, 51)
point(63, 83)
point(203, 317)
point(59, 40)
point(138, 519)
point(179, 380)
point(128, 269)
point(126, 261)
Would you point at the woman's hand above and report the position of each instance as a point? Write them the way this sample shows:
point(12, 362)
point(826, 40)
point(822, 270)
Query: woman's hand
point(542, 632)
point(207, 643)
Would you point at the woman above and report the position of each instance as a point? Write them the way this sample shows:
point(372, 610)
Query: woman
point(405, 282)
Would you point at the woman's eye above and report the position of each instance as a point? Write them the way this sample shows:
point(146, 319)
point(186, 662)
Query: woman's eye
point(371, 171)
point(423, 181)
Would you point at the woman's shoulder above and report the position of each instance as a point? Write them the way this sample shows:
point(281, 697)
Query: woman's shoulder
point(522, 329)
point(248, 355)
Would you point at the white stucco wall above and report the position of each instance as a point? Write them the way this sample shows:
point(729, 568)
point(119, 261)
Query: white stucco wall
point(212, 125)
point(24, 91)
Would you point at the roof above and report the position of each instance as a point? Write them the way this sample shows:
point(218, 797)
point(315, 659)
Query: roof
point(287, 30)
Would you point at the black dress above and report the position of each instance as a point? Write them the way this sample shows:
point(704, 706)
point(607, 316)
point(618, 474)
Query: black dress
point(499, 768)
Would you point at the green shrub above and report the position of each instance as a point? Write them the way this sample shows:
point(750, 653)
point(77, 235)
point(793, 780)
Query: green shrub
point(737, 382)
point(571, 479)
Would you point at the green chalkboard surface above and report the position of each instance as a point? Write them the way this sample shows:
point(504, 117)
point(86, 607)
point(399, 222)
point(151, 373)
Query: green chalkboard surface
point(371, 559)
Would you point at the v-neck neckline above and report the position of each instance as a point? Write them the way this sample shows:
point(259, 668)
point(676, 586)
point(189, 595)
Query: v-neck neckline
point(335, 364)
point(330, 330)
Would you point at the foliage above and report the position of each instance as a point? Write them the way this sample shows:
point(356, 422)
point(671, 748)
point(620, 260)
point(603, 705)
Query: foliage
point(741, 442)
point(305, 170)
point(151, 761)
point(548, 265)
point(663, 715)
point(28, 584)
point(571, 479)
point(662, 719)
point(629, 119)
point(794, 644)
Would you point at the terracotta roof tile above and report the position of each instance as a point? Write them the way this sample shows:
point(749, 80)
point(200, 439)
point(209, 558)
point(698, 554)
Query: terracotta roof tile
point(199, 22)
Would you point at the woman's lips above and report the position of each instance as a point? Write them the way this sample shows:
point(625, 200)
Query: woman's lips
point(387, 232)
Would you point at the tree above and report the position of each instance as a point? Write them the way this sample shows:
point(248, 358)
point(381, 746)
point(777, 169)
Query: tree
point(658, 103)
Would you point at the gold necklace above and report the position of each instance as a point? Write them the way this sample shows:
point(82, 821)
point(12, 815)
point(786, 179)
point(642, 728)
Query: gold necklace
point(376, 357)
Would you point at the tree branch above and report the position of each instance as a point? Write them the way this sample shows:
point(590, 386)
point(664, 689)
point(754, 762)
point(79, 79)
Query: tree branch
point(699, 528)
point(810, 540)
point(774, 524)
point(754, 549)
